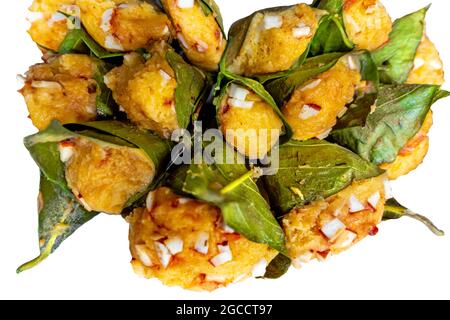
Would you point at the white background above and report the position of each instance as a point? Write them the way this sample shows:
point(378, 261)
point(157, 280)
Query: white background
point(403, 261)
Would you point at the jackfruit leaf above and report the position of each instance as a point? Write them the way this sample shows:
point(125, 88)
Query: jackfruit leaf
point(232, 188)
point(192, 85)
point(332, 6)
point(43, 148)
point(331, 35)
point(176, 178)
point(79, 41)
point(313, 170)
point(399, 114)
point(278, 267)
point(393, 210)
point(60, 216)
point(396, 58)
point(61, 213)
point(104, 102)
point(103, 138)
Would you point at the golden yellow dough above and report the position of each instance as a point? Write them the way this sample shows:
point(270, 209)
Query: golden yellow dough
point(250, 130)
point(143, 89)
point(276, 49)
point(123, 25)
point(303, 226)
point(428, 69)
point(200, 36)
point(413, 154)
point(105, 177)
point(367, 23)
point(428, 66)
point(328, 93)
point(171, 217)
point(48, 27)
point(62, 89)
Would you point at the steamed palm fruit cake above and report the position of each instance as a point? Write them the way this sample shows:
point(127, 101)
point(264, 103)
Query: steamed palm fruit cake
point(124, 25)
point(248, 122)
point(323, 96)
point(314, 107)
point(333, 225)
point(103, 178)
point(199, 34)
point(184, 242)
point(49, 23)
point(276, 40)
point(428, 69)
point(61, 89)
point(145, 89)
point(367, 23)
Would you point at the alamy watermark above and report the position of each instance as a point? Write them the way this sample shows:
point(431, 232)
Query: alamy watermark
point(212, 147)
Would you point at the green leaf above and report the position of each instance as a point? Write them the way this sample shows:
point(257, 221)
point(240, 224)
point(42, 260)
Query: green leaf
point(278, 267)
point(442, 94)
point(192, 85)
point(330, 36)
point(393, 210)
point(313, 170)
point(79, 41)
point(396, 58)
point(281, 89)
point(43, 148)
point(332, 6)
point(104, 102)
point(102, 138)
point(399, 114)
point(61, 215)
point(357, 112)
point(231, 187)
point(211, 7)
point(176, 178)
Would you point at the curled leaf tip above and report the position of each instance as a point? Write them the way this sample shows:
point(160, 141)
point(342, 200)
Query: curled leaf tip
point(394, 210)
point(31, 264)
point(427, 222)
point(278, 267)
